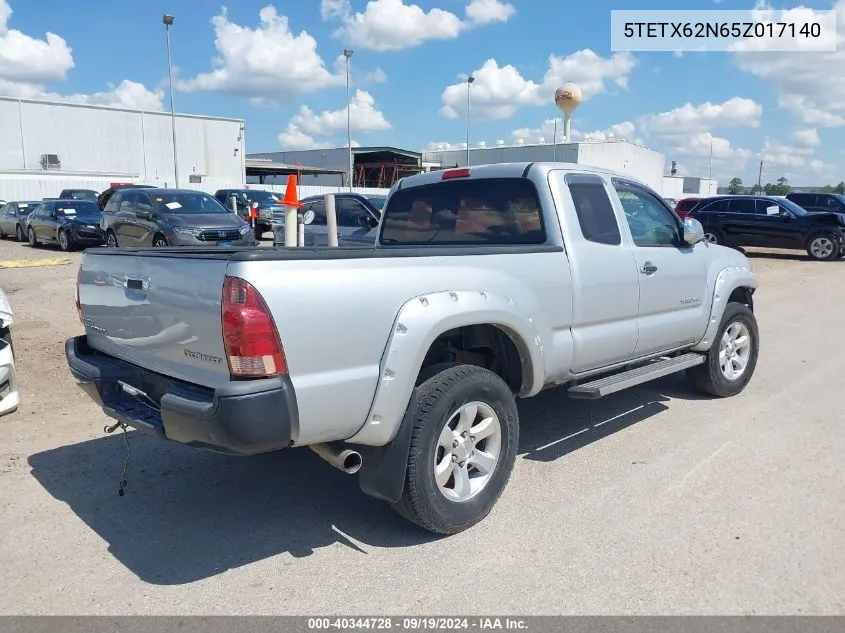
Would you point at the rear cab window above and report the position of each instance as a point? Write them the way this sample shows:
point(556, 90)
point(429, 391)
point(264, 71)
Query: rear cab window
point(481, 211)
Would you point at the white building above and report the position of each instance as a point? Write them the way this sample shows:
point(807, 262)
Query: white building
point(679, 187)
point(640, 162)
point(48, 146)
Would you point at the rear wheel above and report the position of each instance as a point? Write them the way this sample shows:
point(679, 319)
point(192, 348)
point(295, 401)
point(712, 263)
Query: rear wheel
point(18, 233)
point(30, 234)
point(463, 448)
point(823, 247)
point(731, 360)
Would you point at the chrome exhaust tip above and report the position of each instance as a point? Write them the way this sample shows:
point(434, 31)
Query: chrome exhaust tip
point(344, 459)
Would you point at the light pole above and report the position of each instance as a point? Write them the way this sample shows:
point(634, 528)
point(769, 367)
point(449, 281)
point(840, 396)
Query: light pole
point(347, 53)
point(470, 79)
point(167, 20)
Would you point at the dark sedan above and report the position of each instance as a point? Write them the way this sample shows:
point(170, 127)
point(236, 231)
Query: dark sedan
point(68, 223)
point(770, 222)
point(358, 215)
point(13, 217)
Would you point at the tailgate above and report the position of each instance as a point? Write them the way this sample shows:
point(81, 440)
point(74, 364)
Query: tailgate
point(159, 312)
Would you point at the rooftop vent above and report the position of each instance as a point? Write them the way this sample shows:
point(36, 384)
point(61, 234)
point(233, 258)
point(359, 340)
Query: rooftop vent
point(50, 161)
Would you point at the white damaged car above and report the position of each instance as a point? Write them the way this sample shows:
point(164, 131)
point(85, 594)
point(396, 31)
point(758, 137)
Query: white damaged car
point(9, 396)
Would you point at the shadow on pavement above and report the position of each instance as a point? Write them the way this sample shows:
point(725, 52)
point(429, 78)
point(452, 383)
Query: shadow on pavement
point(190, 514)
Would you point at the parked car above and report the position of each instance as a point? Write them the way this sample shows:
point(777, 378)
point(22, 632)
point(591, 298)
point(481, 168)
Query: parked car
point(819, 202)
point(671, 202)
point(105, 196)
point(68, 223)
point(13, 216)
point(263, 201)
point(476, 303)
point(358, 216)
point(78, 194)
point(770, 222)
point(9, 395)
point(685, 205)
point(171, 217)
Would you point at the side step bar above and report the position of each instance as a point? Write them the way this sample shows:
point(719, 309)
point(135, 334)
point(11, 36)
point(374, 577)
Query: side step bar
point(617, 382)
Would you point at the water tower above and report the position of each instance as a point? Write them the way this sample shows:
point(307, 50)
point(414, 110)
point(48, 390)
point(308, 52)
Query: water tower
point(567, 98)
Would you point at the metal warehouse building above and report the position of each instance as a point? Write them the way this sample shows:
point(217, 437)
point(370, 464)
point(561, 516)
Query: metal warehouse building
point(47, 146)
point(640, 162)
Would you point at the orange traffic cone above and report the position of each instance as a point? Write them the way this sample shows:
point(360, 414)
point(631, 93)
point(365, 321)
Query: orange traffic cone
point(291, 198)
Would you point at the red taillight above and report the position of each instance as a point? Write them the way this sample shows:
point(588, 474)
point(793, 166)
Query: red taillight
point(76, 294)
point(252, 343)
point(455, 173)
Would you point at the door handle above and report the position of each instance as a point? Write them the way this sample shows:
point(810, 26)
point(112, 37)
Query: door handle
point(648, 269)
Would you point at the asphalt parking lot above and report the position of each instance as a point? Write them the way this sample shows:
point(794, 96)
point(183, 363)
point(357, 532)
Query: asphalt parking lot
point(651, 501)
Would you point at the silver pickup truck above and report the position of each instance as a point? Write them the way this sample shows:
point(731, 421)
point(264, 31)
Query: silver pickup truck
point(404, 362)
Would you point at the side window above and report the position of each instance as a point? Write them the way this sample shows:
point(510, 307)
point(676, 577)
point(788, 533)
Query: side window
point(480, 211)
point(742, 205)
point(595, 213)
point(717, 206)
point(144, 203)
point(319, 209)
point(41, 211)
point(127, 202)
point(113, 204)
point(764, 206)
point(830, 203)
point(349, 212)
point(4, 211)
point(804, 199)
point(651, 223)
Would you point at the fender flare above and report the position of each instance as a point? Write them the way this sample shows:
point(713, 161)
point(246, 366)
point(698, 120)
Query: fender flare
point(418, 323)
point(727, 281)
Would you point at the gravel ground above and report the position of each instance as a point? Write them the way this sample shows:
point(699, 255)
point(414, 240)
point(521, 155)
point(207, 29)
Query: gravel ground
point(651, 501)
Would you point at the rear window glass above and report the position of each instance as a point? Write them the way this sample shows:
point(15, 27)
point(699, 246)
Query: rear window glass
point(483, 211)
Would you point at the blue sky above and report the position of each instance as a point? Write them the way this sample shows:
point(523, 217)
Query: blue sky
point(276, 65)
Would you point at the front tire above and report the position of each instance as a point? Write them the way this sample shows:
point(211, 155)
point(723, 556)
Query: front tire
point(64, 241)
point(30, 234)
point(18, 233)
point(713, 236)
point(111, 239)
point(732, 358)
point(463, 448)
point(160, 242)
point(823, 247)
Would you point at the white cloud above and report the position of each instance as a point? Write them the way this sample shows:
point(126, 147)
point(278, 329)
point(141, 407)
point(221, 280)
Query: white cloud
point(699, 146)
point(688, 118)
point(546, 133)
point(805, 80)
point(499, 91)
point(808, 137)
point(27, 64)
point(393, 25)
point(775, 152)
point(269, 62)
point(304, 127)
point(27, 59)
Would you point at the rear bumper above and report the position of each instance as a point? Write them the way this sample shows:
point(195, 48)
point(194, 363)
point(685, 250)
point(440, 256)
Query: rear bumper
point(244, 418)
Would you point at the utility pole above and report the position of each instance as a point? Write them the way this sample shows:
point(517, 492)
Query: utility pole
point(760, 179)
point(347, 53)
point(167, 20)
point(470, 79)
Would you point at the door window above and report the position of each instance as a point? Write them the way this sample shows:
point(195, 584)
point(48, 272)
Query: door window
point(829, 203)
point(319, 209)
point(4, 211)
point(803, 199)
point(595, 213)
point(651, 223)
point(767, 207)
point(745, 206)
point(113, 204)
point(144, 203)
point(127, 202)
point(350, 213)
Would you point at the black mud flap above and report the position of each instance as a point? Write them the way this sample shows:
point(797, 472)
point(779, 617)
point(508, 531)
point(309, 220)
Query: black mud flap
point(383, 468)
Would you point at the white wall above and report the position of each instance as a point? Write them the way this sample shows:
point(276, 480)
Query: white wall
point(673, 187)
point(103, 141)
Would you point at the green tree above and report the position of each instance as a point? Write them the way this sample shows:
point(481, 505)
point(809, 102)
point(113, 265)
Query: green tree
point(735, 186)
point(782, 187)
point(840, 188)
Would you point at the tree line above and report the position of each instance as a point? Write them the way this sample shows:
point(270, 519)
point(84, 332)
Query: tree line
point(780, 187)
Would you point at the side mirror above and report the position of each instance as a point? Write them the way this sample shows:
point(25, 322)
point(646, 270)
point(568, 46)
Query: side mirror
point(144, 215)
point(308, 217)
point(693, 231)
point(369, 222)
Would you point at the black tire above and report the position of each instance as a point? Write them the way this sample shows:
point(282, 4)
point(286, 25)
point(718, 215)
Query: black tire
point(65, 242)
point(30, 234)
point(716, 237)
point(438, 398)
point(111, 239)
point(18, 233)
point(829, 252)
point(259, 233)
point(708, 377)
point(159, 241)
